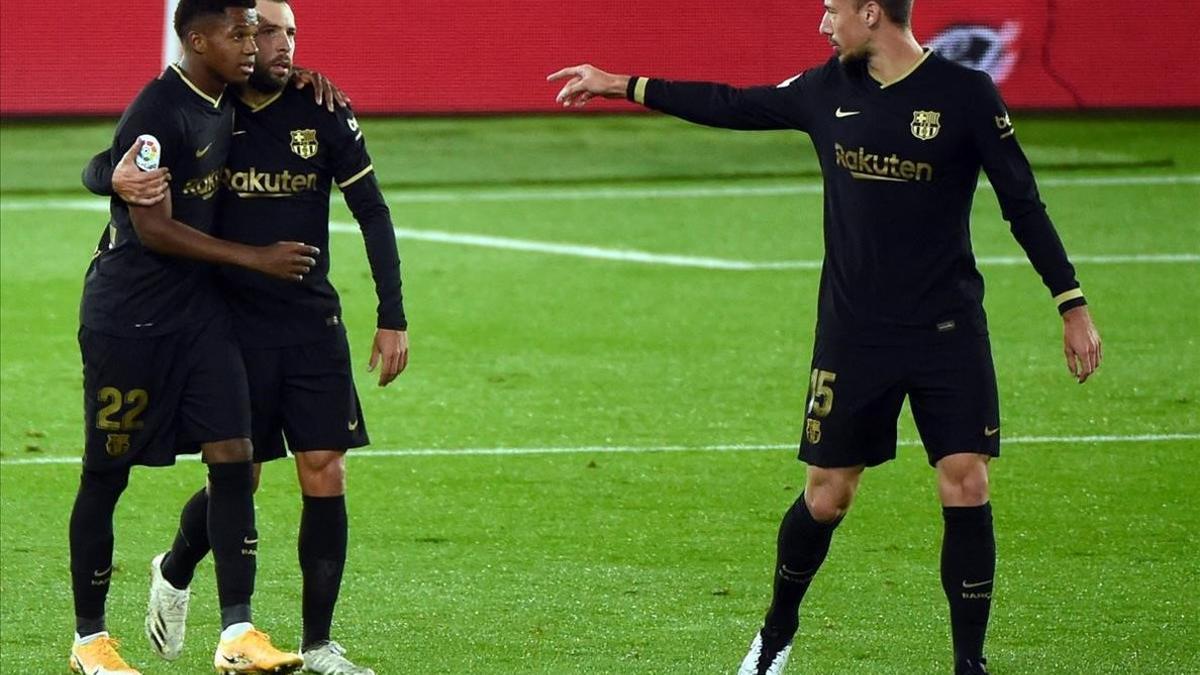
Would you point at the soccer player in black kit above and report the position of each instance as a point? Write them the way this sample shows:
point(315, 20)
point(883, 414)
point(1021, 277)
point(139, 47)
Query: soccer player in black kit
point(286, 154)
point(901, 134)
point(162, 373)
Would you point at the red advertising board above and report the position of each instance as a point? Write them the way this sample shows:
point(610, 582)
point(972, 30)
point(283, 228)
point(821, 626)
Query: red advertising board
point(483, 56)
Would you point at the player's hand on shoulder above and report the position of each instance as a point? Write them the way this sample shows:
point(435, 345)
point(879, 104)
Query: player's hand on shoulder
point(390, 349)
point(137, 187)
point(324, 90)
point(287, 260)
point(1081, 343)
point(586, 82)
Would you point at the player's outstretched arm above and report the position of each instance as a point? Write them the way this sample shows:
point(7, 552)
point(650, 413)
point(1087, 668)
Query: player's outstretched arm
point(708, 103)
point(1081, 343)
point(585, 82)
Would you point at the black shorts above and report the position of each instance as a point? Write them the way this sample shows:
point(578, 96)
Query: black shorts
point(304, 393)
point(856, 392)
point(146, 400)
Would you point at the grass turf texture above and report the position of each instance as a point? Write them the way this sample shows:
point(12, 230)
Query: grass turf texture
point(650, 562)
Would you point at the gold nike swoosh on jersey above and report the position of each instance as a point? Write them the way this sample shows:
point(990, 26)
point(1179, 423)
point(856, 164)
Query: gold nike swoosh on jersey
point(203, 152)
point(846, 113)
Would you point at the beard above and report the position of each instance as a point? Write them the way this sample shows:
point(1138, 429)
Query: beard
point(262, 80)
point(844, 56)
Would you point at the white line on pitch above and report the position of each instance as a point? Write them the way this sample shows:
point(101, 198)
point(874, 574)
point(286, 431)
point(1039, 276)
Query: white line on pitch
point(636, 449)
point(701, 262)
point(628, 192)
point(716, 191)
point(572, 250)
point(633, 255)
point(650, 258)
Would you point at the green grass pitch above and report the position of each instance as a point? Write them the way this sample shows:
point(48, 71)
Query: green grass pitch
point(563, 556)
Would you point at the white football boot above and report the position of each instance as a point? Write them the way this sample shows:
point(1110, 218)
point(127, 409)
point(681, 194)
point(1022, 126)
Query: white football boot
point(166, 614)
point(773, 664)
point(329, 658)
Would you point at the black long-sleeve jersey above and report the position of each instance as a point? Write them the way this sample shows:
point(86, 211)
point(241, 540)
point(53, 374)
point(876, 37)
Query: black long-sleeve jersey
point(129, 290)
point(286, 154)
point(901, 163)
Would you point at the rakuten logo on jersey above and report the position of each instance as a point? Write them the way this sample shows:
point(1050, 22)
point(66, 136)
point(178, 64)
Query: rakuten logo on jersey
point(255, 183)
point(204, 186)
point(865, 165)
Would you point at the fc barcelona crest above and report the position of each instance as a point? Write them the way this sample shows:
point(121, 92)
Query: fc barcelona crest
point(925, 124)
point(117, 445)
point(304, 142)
point(812, 429)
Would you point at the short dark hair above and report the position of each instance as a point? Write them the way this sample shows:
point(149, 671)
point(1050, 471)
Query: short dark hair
point(189, 10)
point(898, 12)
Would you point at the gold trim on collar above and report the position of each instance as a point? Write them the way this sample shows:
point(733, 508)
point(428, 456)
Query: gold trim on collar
point(257, 107)
point(910, 71)
point(216, 102)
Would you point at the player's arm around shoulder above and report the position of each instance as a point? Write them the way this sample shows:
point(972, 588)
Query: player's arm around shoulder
point(126, 180)
point(324, 91)
point(146, 192)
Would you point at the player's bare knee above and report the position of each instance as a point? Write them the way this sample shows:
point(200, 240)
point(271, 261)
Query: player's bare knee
point(829, 501)
point(322, 473)
point(963, 480)
point(828, 505)
point(229, 451)
point(828, 493)
point(971, 490)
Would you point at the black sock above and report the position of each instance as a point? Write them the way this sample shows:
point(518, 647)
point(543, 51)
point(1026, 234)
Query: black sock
point(91, 537)
point(322, 548)
point(233, 538)
point(191, 542)
point(803, 543)
point(968, 567)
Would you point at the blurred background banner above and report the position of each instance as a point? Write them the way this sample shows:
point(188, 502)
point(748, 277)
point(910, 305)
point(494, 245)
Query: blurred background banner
point(491, 56)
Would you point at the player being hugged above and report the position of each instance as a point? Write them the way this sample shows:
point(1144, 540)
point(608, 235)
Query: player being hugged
point(287, 153)
point(162, 372)
point(901, 134)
